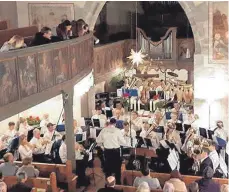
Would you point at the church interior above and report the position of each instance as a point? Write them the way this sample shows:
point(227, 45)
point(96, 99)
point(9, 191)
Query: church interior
point(114, 96)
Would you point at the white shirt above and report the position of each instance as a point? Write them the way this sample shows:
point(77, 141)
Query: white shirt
point(215, 159)
point(39, 149)
point(136, 123)
point(143, 133)
point(221, 133)
point(63, 152)
point(43, 125)
point(25, 151)
point(111, 138)
point(23, 130)
point(48, 135)
point(78, 130)
point(127, 137)
point(102, 118)
point(11, 133)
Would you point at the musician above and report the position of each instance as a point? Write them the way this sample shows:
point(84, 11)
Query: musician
point(158, 118)
point(129, 134)
point(118, 115)
point(172, 135)
point(111, 138)
point(77, 129)
point(39, 145)
point(24, 127)
point(213, 155)
point(204, 160)
point(11, 132)
point(179, 94)
point(146, 127)
point(25, 148)
point(63, 150)
point(220, 131)
point(44, 122)
point(189, 140)
point(51, 133)
point(136, 122)
point(99, 115)
point(161, 86)
point(118, 108)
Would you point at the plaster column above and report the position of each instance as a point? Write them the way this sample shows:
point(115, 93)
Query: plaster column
point(70, 139)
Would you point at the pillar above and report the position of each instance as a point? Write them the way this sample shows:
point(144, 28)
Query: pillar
point(70, 139)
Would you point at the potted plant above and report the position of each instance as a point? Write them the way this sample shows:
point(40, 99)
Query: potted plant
point(33, 121)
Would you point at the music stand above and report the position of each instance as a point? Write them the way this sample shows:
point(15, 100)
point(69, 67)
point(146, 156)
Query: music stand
point(79, 138)
point(148, 143)
point(96, 122)
point(179, 127)
point(168, 115)
point(210, 134)
point(93, 174)
point(161, 94)
point(88, 122)
point(60, 128)
point(109, 113)
point(152, 94)
point(203, 132)
point(186, 127)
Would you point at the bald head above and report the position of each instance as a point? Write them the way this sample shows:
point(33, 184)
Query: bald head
point(111, 181)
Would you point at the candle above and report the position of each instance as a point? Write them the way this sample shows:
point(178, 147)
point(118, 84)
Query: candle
point(131, 103)
point(139, 104)
point(135, 104)
point(150, 105)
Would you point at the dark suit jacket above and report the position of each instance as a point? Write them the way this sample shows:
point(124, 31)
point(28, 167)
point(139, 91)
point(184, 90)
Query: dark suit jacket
point(20, 187)
point(208, 185)
point(207, 162)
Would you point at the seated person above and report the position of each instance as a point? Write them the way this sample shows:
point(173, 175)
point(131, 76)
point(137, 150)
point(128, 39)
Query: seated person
point(118, 116)
point(152, 182)
point(168, 187)
point(39, 146)
point(136, 122)
point(64, 30)
point(24, 127)
point(193, 187)
point(11, 132)
point(20, 186)
point(126, 133)
point(44, 122)
point(98, 115)
point(119, 108)
point(110, 185)
point(220, 131)
point(213, 155)
point(3, 187)
point(224, 188)
point(42, 37)
point(206, 184)
point(28, 168)
point(25, 148)
point(176, 181)
point(77, 129)
point(16, 42)
point(8, 168)
point(51, 133)
point(146, 127)
point(143, 187)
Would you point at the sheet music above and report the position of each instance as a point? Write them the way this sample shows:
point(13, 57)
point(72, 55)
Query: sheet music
point(84, 137)
point(119, 92)
point(102, 122)
point(82, 122)
point(90, 156)
point(93, 133)
point(164, 144)
point(223, 165)
point(172, 160)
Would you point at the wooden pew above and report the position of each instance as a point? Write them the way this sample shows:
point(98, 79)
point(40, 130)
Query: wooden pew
point(132, 189)
point(63, 172)
point(4, 24)
point(5, 35)
point(35, 183)
point(128, 177)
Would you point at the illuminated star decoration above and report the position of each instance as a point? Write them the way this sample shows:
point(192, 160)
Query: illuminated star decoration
point(136, 57)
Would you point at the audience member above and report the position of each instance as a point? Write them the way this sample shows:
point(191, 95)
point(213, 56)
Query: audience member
point(25, 148)
point(64, 30)
point(224, 188)
point(3, 187)
point(143, 187)
point(206, 184)
point(175, 179)
point(77, 27)
point(110, 185)
point(193, 187)
point(152, 182)
point(16, 42)
point(28, 168)
point(168, 187)
point(11, 132)
point(8, 168)
point(42, 37)
point(21, 186)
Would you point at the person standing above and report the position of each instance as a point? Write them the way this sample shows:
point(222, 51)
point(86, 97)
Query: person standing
point(111, 139)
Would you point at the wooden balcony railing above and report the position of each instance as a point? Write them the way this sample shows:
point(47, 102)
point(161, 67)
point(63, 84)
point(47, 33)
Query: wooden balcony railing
point(163, 49)
point(32, 71)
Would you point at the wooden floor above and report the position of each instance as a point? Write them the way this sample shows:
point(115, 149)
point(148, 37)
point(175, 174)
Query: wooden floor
point(99, 178)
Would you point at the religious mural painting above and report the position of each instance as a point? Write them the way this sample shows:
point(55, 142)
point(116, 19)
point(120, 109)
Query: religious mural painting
point(45, 70)
point(50, 14)
point(218, 32)
point(8, 82)
point(60, 60)
point(27, 75)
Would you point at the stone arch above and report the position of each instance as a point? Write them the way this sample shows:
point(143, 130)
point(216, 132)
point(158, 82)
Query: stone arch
point(190, 8)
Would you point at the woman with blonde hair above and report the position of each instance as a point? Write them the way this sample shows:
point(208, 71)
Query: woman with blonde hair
point(16, 42)
point(25, 148)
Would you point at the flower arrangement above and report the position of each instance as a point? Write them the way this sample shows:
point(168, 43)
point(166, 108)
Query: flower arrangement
point(33, 120)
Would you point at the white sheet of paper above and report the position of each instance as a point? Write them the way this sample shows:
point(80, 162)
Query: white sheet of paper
point(119, 92)
point(172, 162)
point(164, 144)
point(90, 156)
point(102, 122)
point(84, 137)
point(223, 165)
point(82, 122)
point(93, 133)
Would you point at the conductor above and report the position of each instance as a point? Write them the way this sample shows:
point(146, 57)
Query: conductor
point(111, 138)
